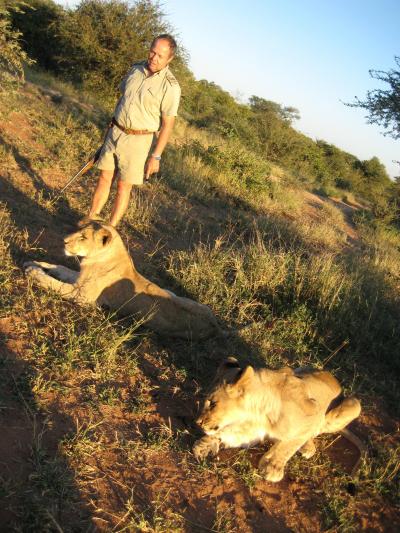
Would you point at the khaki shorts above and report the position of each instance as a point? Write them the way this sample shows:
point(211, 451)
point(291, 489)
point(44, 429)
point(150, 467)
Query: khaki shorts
point(127, 154)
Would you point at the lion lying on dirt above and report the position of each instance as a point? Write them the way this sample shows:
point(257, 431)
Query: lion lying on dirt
point(289, 407)
point(109, 278)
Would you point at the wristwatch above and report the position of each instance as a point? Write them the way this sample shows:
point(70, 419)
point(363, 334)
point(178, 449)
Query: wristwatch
point(156, 157)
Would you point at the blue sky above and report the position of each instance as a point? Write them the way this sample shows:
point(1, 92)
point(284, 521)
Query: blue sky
point(309, 54)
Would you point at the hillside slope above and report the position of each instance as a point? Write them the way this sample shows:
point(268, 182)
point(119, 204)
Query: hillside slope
point(97, 415)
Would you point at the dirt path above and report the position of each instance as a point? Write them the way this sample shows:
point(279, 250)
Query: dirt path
point(314, 203)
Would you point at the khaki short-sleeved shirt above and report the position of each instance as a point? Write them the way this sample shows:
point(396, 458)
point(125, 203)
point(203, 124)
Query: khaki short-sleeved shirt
point(145, 99)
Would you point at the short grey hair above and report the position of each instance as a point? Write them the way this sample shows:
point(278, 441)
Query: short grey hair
point(166, 37)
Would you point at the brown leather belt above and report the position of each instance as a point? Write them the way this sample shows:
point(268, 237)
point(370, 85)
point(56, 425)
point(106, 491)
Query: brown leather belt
point(129, 131)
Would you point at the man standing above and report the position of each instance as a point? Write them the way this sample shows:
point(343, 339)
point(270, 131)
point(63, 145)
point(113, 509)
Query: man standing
point(140, 128)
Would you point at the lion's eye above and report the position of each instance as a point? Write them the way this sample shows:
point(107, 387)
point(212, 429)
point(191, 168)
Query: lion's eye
point(212, 404)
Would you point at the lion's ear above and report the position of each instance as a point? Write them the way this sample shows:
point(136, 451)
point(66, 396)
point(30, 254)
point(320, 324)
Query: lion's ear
point(227, 364)
point(86, 220)
point(245, 377)
point(104, 236)
point(227, 371)
point(83, 222)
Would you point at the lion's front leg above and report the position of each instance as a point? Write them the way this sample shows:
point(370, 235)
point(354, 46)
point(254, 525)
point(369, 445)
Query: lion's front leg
point(272, 463)
point(40, 264)
point(37, 274)
point(59, 272)
point(308, 449)
point(64, 274)
point(205, 446)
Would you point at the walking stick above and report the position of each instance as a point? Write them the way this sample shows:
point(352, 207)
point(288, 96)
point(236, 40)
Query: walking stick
point(87, 166)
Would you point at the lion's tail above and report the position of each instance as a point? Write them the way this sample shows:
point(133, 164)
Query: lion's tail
point(339, 417)
point(362, 448)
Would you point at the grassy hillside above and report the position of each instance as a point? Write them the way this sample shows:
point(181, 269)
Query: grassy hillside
point(97, 414)
point(93, 45)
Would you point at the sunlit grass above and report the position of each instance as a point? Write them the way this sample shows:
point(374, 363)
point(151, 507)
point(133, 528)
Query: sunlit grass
point(271, 266)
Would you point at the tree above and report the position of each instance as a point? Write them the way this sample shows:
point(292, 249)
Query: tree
point(383, 106)
point(287, 114)
point(375, 172)
point(101, 39)
point(39, 21)
point(272, 124)
point(95, 43)
point(12, 57)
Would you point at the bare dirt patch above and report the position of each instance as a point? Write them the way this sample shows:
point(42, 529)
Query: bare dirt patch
point(314, 204)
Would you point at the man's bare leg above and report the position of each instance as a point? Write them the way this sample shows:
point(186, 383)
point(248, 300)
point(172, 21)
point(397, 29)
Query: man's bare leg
point(102, 192)
point(121, 202)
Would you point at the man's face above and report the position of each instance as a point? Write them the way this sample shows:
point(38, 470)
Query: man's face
point(159, 56)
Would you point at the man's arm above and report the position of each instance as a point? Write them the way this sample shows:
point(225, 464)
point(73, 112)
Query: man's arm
point(153, 165)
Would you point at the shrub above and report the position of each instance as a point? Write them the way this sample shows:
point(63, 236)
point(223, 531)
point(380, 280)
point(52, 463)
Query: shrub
point(12, 56)
point(39, 22)
point(101, 39)
point(244, 167)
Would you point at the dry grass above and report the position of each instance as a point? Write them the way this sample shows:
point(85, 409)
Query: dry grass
point(107, 406)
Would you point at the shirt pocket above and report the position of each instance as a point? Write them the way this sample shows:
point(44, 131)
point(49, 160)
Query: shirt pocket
point(132, 84)
point(152, 99)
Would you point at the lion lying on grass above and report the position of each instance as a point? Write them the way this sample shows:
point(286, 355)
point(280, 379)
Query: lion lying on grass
point(286, 406)
point(109, 278)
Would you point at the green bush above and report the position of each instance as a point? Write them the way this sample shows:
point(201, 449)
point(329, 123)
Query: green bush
point(12, 56)
point(101, 39)
point(244, 167)
point(94, 45)
point(39, 22)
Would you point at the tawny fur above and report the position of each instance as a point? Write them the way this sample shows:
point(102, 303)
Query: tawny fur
point(285, 406)
point(108, 277)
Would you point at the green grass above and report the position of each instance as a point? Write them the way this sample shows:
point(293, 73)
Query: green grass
point(309, 301)
point(156, 516)
point(250, 252)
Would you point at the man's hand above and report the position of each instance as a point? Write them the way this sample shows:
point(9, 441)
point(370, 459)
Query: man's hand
point(152, 166)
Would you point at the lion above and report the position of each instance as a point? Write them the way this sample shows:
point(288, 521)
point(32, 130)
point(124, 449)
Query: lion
point(289, 407)
point(108, 278)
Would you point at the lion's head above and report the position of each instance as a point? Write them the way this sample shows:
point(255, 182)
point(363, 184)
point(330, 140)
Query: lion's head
point(225, 404)
point(91, 239)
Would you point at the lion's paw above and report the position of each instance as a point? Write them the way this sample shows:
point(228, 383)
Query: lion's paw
point(271, 469)
point(34, 272)
point(204, 447)
point(308, 449)
point(30, 264)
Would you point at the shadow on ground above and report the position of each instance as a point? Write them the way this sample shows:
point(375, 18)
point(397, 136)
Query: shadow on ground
point(173, 399)
point(37, 487)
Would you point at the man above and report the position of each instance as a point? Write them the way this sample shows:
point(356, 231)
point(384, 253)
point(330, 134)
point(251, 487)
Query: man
point(141, 126)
